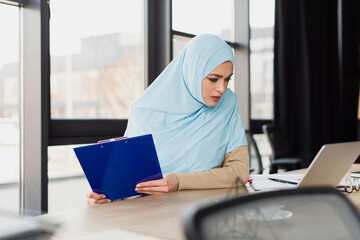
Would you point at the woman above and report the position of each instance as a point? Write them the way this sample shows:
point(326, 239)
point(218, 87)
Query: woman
point(195, 121)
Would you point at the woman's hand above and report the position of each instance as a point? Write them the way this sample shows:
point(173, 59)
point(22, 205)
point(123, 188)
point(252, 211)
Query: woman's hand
point(95, 199)
point(169, 183)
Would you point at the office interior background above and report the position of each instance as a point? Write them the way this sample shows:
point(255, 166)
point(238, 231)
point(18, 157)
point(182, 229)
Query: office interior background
point(69, 70)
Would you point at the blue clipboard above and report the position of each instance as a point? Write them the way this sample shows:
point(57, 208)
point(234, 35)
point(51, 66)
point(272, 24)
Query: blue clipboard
point(114, 168)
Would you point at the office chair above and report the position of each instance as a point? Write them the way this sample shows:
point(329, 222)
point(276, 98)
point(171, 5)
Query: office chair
point(282, 156)
point(305, 213)
point(256, 165)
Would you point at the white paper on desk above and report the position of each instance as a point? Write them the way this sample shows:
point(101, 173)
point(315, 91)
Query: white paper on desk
point(261, 181)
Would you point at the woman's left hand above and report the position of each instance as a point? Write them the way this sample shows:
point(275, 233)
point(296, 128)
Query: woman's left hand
point(169, 183)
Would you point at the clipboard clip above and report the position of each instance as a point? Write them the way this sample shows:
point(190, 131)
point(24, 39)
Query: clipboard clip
point(111, 139)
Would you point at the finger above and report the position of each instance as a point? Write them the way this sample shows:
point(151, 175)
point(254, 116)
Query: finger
point(153, 183)
point(152, 193)
point(92, 202)
point(96, 196)
point(162, 189)
point(106, 200)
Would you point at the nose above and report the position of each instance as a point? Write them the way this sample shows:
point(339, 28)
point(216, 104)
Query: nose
point(221, 86)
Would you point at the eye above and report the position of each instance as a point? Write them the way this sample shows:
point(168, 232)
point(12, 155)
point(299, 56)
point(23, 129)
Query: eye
point(213, 79)
point(227, 79)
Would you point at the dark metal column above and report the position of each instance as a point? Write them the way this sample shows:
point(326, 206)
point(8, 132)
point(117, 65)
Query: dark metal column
point(157, 37)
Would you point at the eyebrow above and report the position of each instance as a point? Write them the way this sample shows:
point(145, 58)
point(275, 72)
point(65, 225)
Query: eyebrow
point(218, 75)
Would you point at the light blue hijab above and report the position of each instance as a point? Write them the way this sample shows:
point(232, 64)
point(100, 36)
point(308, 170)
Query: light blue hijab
point(189, 135)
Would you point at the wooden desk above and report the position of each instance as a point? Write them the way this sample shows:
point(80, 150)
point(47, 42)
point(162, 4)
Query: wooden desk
point(157, 215)
point(353, 197)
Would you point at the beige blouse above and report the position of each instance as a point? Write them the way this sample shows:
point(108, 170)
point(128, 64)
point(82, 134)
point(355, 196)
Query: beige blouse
point(235, 163)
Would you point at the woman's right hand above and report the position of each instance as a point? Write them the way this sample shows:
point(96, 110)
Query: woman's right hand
point(95, 199)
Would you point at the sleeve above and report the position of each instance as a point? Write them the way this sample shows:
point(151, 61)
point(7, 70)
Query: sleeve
point(235, 164)
point(235, 128)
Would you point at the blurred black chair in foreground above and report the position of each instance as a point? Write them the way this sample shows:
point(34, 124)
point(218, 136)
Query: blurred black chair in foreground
point(282, 156)
point(256, 165)
point(305, 213)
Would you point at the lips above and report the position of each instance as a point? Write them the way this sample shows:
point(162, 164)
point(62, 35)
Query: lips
point(216, 98)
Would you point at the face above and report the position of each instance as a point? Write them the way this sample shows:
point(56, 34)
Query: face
point(215, 83)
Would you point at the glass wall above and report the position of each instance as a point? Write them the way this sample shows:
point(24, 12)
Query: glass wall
point(205, 16)
point(261, 58)
point(97, 69)
point(261, 14)
point(9, 108)
point(67, 183)
point(179, 43)
point(96, 59)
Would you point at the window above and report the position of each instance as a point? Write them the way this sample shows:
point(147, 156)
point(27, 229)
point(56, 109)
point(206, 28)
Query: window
point(188, 22)
point(9, 108)
point(97, 69)
point(261, 19)
point(253, 78)
point(65, 173)
point(204, 16)
point(96, 59)
point(96, 51)
point(262, 58)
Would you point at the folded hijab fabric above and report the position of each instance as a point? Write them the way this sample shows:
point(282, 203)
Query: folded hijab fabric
point(189, 135)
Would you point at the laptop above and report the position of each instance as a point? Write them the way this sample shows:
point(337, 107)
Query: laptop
point(327, 169)
point(331, 164)
point(115, 167)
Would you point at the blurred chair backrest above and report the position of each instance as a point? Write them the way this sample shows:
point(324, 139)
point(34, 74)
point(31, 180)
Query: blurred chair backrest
point(278, 142)
point(256, 165)
point(306, 213)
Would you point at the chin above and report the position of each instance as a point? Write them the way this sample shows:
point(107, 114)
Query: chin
point(212, 104)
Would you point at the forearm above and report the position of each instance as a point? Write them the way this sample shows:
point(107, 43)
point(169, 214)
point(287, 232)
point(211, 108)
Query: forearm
point(235, 164)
